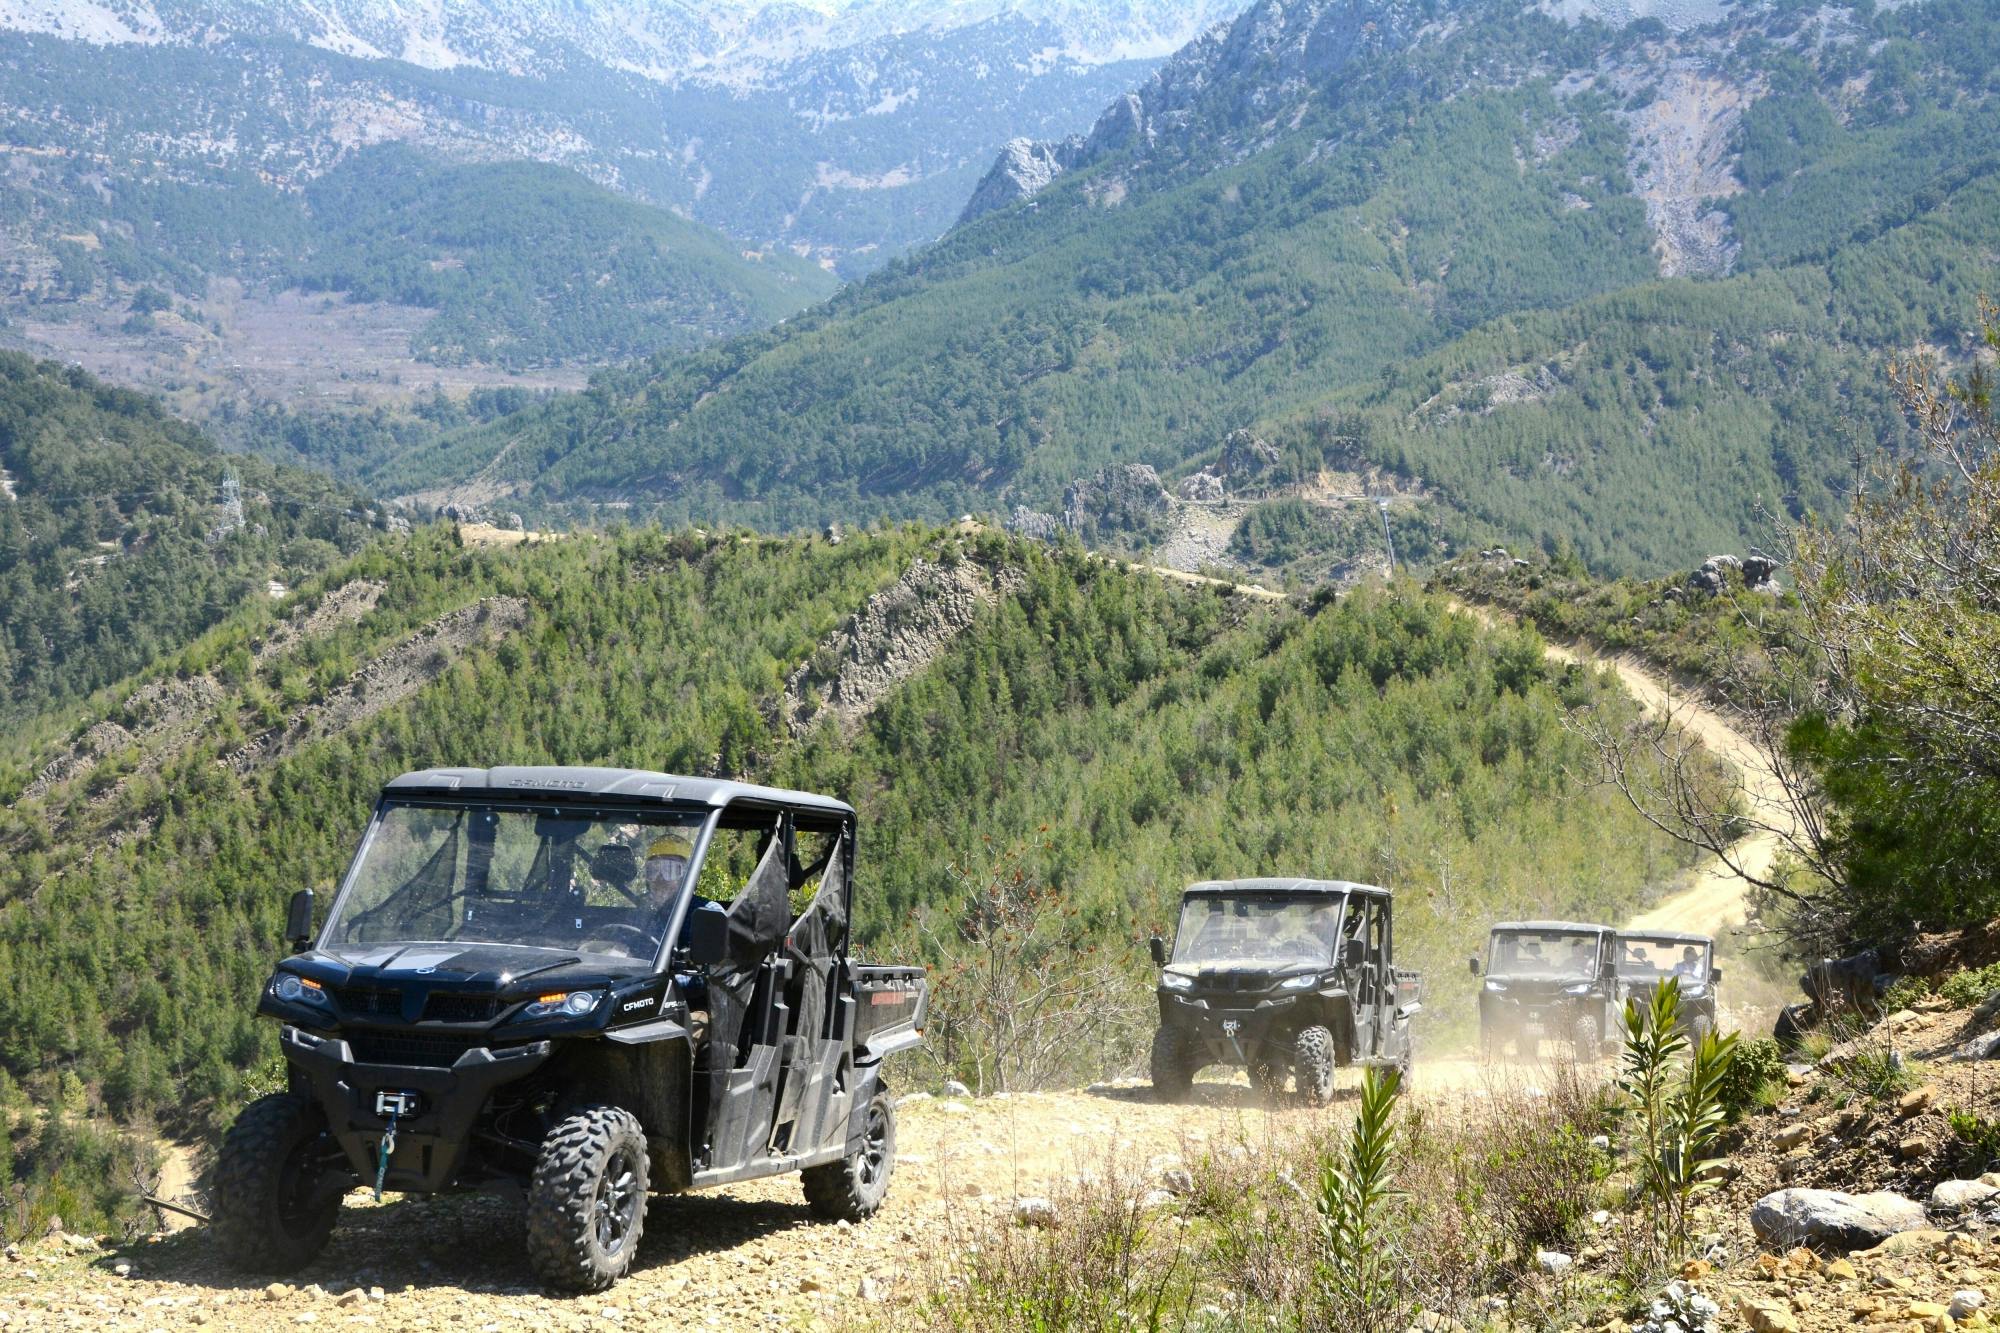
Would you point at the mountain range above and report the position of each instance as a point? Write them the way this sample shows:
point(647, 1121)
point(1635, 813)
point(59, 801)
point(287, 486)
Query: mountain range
point(846, 132)
point(1624, 289)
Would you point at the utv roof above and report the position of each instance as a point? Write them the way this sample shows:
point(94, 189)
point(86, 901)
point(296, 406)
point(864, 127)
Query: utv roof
point(1679, 936)
point(1571, 926)
point(624, 784)
point(1276, 884)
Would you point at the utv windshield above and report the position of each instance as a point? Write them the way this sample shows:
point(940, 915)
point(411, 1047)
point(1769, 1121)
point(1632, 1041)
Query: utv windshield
point(1256, 931)
point(1543, 955)
point(1640, 958)
point(554, 878)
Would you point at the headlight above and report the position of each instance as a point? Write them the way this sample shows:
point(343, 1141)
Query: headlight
point(572, 1003)
point(1176, 981)
point(1581, 988)
point(295, 989)
point(1496, 985)
point(1306, 982)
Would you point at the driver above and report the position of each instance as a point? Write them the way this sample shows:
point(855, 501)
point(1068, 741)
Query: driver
point(666, 869)
point(1690, 963)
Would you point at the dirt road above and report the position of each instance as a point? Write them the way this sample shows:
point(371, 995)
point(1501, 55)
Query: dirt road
point(750, 1257)
point(1716, 897)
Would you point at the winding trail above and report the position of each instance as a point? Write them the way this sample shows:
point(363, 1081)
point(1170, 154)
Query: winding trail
point(1716, 897)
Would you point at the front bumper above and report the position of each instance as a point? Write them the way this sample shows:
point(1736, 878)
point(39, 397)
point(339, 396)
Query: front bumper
point(1229, 1032)
point(431, 1144)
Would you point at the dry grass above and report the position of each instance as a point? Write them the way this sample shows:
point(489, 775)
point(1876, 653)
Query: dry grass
point(1230, 1236)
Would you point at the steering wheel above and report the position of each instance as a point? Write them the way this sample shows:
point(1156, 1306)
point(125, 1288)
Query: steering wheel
point(646, 939)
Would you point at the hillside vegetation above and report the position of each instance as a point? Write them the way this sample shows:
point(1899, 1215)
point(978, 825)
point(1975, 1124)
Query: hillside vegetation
point(1132, 733)
point(522, 264)
point(1457, 252)
point(118, 538)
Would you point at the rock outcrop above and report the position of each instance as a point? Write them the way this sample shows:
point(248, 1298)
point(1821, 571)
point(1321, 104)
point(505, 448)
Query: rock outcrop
point(1023, 169)
point(1830, 1220)
point(1124, 499)
point(899, 632)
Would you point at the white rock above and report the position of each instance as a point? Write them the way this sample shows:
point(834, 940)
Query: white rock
point(1600, 1218)
point(1958, 1195)
point(1985, 1047)
point(1553, 1262)
point(1156, 1199)
point(1963, 1303)
point(1601, 1142)
point(1177, 1181)
point(953, 1088)
point(1034, 1212)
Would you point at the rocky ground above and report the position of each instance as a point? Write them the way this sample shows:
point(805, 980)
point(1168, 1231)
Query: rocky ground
point(746, 1257)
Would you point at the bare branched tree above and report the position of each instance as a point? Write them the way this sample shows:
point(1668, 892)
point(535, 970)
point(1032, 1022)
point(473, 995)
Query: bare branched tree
point(1903, 599)
point(1022, 998)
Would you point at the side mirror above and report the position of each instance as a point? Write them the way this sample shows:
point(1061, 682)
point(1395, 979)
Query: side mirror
point(1473, 963)
point(299, 920)
point(1715, 974)
point(705, 936)
point(1158, 948)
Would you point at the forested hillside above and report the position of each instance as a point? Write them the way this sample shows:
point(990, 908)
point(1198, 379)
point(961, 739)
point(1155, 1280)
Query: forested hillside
point(521, 264)
point(1110, 734)
point(121, 538)
point(1624, 289)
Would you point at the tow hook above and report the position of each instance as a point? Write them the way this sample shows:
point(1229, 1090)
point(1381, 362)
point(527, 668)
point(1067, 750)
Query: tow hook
point(383, 1152)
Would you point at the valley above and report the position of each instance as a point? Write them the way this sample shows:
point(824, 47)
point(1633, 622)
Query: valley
point(1111, 445)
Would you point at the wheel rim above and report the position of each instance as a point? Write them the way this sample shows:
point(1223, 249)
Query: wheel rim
point(616, 1205)
point(874, 1147)
point(299, 1181)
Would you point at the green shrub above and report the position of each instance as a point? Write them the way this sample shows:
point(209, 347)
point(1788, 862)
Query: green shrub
point(1977, 1142)
point(1759, 1065)
point(1971, 988)
point(1906, 993)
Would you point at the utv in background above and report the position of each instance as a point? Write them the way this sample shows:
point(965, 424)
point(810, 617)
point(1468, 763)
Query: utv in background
point(500, 998)
point(1645, 958)
point(1285, 977)
point(1547, 981)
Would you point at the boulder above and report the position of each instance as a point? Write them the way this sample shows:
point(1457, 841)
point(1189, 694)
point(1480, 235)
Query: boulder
point(1760, 573)
point(1204, 487)
point(1831, 1220)
point(1984, 1047)
point(1553, 1262)
point(1955, 1196)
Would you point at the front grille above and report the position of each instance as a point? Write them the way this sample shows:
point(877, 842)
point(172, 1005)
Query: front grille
point(368, 1000)
point(423, 1049)
point(447, 1008)
point(1235, 981)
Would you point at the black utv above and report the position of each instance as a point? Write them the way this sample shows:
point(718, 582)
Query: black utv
point(1547, 981)
point(589, 985)
point(1289, 978)
point(1644, 959)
